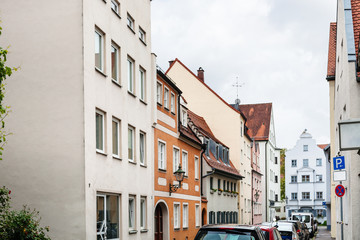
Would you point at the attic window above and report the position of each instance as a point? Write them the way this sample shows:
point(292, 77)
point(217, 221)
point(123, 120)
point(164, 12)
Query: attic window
point(217, 152)
point(184, 118)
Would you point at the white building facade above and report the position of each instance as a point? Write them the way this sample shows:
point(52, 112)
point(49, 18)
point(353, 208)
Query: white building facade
point(306, 181)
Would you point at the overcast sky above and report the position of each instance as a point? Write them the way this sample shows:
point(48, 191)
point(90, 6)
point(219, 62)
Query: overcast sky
point(276, 48)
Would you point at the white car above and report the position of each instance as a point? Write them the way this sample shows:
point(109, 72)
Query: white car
point(287, 230)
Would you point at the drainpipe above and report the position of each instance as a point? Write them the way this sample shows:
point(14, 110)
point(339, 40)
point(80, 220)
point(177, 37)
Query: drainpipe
point(266, 187)
point(203, 149)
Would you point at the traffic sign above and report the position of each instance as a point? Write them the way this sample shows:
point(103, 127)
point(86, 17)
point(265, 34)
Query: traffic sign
point(339, 190)
point(324, 203)
point(339, 176)
point(339, 163)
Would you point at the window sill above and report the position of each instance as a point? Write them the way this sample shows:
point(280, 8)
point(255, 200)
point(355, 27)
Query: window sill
point(144, 230)
point(172, 113)
point(177, 229)
point(306, 200)
point(116, 83)
point(101, 153)
point(133, 231)
point(159, 104)
point(143, 101)
point(117, 14)
point(100, 71)
point(162, 170)
point(117, 157)
point(131, 29)
point(166, 108)
point(143, 165)
point(132, 94)
point(132, 162)
point(142, 41)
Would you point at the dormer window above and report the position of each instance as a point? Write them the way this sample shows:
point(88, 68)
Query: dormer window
point(184, 118)
point(206, 141)
point(217, 152)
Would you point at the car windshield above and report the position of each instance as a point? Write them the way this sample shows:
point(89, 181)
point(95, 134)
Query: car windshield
point(285, 233)
point(302, 218)
point(228, 234)
point(266, 234)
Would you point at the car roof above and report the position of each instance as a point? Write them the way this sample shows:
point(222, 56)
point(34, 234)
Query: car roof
point(285, 226)
point(229, 226)
point(267, 228)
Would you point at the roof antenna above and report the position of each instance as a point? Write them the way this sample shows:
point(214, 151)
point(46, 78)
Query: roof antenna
point(237, 85)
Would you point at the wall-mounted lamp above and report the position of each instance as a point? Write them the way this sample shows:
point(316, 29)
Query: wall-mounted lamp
point(349, 135)
point(179, 175)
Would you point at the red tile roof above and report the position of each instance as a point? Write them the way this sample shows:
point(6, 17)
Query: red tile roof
point(322, 146)
point(332, 52)
point(189, 134)
point(219, 165)
point(258, 119)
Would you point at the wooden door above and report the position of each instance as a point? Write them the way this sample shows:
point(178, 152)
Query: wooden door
point(158, 223)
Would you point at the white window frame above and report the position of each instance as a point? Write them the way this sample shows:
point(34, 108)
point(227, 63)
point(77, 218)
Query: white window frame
point(319, 193)
point(304, 195)
point(305, 177)
point(197, 215)
point(101, 49)
point(132, 143)
point(291, 179)
point(130, 22)
point(185, 215)
point(292, 163)
point(172, 102)
point(159, 155)
point(142, 155)
point(176, 215)
point(319, 178)
point(115, 6)
point(196, 162)
point(118, 135)
point(176, 161)
point(166, 98)
point(159, 91)
point(294, 194)
point(319, 162)
point(101, 148)
point(130, 74)
point(115, 47)
point(305, 148)
point(184, 118)
point(132, 214)
point(142, 84)
point(142, 35)
point(143, 212)
point(305, 161)
point(185, 162)
point(102, 230)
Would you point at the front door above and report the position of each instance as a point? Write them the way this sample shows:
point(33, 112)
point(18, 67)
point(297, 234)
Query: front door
point(158, 223)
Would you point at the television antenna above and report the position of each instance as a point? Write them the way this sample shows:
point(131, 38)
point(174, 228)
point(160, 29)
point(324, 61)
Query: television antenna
point(237, 85)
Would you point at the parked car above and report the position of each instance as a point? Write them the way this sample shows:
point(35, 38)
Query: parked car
point(306, 231)
point(271, 233)
point(298, 228)
point(307, 218)
point(229, 232)
point(287, 230)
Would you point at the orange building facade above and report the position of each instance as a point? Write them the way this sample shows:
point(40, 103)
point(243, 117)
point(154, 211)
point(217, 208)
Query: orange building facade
point(178, 212)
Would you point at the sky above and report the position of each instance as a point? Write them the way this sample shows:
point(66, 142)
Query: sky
point(276, 49)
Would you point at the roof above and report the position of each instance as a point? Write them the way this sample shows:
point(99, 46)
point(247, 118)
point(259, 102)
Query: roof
point(331, 53)
point(323, 146)
point(258, 119)
point(185, 131)
point(230, 226)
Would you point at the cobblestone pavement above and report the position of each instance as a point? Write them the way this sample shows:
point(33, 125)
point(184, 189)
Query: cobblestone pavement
point(323, 234)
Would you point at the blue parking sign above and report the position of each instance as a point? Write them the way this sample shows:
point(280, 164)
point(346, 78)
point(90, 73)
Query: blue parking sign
point(339, 163)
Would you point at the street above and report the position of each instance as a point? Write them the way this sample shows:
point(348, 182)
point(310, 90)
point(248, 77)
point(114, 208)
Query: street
point(323, 233)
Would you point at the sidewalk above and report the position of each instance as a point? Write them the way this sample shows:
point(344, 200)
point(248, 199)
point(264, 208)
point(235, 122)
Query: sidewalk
point(323, 233)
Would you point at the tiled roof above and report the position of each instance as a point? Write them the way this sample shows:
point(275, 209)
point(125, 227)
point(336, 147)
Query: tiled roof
point(355, 9)
point(219, 165)
point(332, 52)
point(189, 134)
point(201, 125)
point(258, 119)
point(322, 146)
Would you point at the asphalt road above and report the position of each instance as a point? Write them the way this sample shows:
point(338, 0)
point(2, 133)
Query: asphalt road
point(323, 233)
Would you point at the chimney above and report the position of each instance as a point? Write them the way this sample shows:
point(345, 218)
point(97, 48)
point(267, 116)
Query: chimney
point(201, 74)
point(171, 62)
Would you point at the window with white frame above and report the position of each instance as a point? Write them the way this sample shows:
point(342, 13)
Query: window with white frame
point(305, 162)
point(176, 159)
point(184, 118)
point(99, 49)
point(142, 141)
point(130, 22)
point(293, 163)
point(166, 98)
point(196, 161)
point(319, 195)
point(319, 178)
point(305, 178)
point(172, 102)
point(305, 148)
point(142, 35)
point(115, 64)
point(185, 215)
point(159, 93)
point(217, 152)
point(107, 216)
point(116, 137)
point(132, 212)
point(143, 213)
point(142, 83)
point(197, 215)
point(294, 179)
point(318, 162)
point(131, 143)
point(185, 162)
point(306, 195)
point(161, 155)
point(176, 215)
point(100, 131)
point(130, 67)
point(115, 6)
point(294, 196)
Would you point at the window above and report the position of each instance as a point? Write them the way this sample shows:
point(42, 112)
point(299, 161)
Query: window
point(228, 186)
point(185, 162)
point(107, 216)
point(99, 49)
point(294, 196)
point(158, 92)
point(176, 215)
point(293, 163)
point(142, 35)
point(306, 195)
point(197, 215)
point(276, 179)
point(161, 155)
point(305, 178)
point(319, 195)
point(235, 187)
point(319, 178)
point(116, 137)
point(115, 6)
point(176, 159)
point(211, 182)
point(206, 141)
point(143, 213)
point(131, 141)
point(196, 167)
point(184, 118)
point(172, 102)
point(130, 22)
point(305, 148)
point(166, 98)
point(224, 185)
point(305, 162)
point(276, 198)
point(130, 67)
point(318, 162)
point(132, 213)
point(185, 215)
point(219, 184)
point(115, 63)
point(276, 160)
point(100, 131)
point(294, 179)
point(142, 84)
point(142, 148)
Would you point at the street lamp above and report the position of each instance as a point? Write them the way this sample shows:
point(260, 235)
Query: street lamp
point(179, 175)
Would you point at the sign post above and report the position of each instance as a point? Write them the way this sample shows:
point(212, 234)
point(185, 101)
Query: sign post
point(340, 192)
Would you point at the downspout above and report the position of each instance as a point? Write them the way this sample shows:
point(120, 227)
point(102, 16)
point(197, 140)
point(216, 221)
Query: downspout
point(252, 196)
point(178, 125)
point(266, 186)
point(203, 149)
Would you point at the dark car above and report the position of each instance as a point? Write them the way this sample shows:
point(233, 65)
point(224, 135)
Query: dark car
point(306, 230)
point(229, 232)
point(271, 233)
